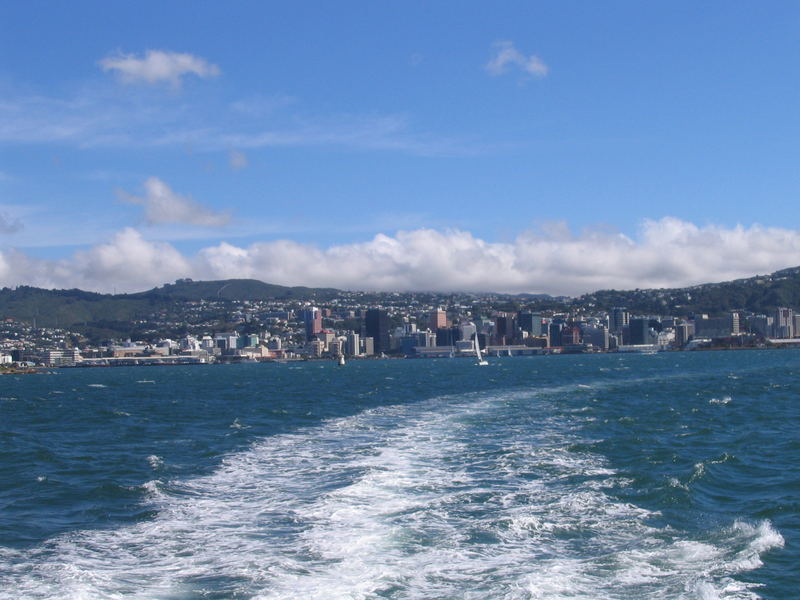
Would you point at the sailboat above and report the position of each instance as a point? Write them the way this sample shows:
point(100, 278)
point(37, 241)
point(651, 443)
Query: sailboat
point(341, 360)
point(482, 362)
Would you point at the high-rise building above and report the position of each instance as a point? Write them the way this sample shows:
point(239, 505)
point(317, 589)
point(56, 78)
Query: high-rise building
point(618, 318)
point(377, 327)
point(554, 329)
point(369, 346)
point(353, 345)
point(312, 318)
point(571, 335)
point(683, 333)
point(525, 321)
point(438, 320)
point(505, 328)
point(532, 323)
point(733, 317)
point(639, 331)
point(597, 336)
point(784, 323)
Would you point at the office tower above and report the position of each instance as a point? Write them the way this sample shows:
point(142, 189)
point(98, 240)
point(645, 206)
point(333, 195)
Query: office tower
point(597, 337)
point(526, 322)
point(683, 333)
point(312, 318)
point(555, 334)
point(733, 317)
point(377, 327)
point(505, 328)
point(639, 331)
point(438, 320)
point(618, 318)
point(784, 323)
point(353, 345)
point(532, 323)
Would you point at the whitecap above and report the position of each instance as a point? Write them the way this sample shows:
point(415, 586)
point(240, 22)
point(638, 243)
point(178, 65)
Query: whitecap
point(723, 400)
point(414, 502)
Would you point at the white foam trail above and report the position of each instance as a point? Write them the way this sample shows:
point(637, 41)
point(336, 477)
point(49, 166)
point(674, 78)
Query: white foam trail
point(412, 502)
point(723, 400)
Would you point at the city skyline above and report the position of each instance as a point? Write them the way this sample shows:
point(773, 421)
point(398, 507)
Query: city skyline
point(520, 148)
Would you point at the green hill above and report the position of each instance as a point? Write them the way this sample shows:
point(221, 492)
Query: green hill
point(759, 294)
point(235, 289)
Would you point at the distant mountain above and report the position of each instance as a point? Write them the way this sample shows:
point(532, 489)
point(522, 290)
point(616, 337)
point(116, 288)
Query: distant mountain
point(235, 289)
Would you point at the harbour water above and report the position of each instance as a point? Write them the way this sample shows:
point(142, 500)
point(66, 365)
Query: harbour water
point(671, 476)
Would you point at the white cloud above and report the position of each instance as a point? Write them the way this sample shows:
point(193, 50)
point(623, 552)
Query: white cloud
point(237, 160)
point(126, 263)
point(162, 205)
point(667, 253)
point(157, 66)
point(506, 56)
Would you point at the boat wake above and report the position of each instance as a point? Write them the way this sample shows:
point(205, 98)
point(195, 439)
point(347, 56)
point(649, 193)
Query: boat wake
point(447, 498)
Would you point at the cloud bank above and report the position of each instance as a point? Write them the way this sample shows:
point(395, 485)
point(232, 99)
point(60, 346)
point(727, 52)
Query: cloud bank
point(158, 66)
point(507, 56)
point(162, 205)
point(668, 252)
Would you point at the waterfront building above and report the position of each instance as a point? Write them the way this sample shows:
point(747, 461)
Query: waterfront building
point(597, 336)
point(618, 318)
point(784, 323)
point(312, 320)
point(353, 344)
point(369, 346)
point(438, 319)
point(377, 327)
point(683, 333)
point(505, 328)
point(554, 331)
point(532, 323)
point(639, 331)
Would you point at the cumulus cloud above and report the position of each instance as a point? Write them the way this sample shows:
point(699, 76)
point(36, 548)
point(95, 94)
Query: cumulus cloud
point(237, 160)
point(127, 262)
point(9, 225)
point(667, 253)
point(158, 66)
point(507, 56)
point(162, 205)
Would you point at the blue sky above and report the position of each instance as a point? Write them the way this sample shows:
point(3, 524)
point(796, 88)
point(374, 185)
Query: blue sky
point(504, 134)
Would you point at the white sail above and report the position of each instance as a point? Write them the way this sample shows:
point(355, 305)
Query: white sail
point(481, 361)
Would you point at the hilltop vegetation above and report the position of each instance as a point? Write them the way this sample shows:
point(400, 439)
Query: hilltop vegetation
point(759, 294)
point(235, 289)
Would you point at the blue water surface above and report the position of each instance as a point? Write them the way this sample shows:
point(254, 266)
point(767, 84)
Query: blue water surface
point(674, 475)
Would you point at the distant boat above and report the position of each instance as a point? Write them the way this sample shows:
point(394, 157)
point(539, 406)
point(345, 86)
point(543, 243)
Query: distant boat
point(341, 360)
point(482, 362)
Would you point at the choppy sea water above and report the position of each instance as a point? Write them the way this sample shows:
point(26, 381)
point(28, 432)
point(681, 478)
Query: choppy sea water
point(673, 476)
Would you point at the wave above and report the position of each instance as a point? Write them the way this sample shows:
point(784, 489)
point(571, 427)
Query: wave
point(473, 497)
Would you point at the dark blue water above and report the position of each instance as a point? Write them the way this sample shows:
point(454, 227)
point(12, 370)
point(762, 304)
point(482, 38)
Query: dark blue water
point(607, 476)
